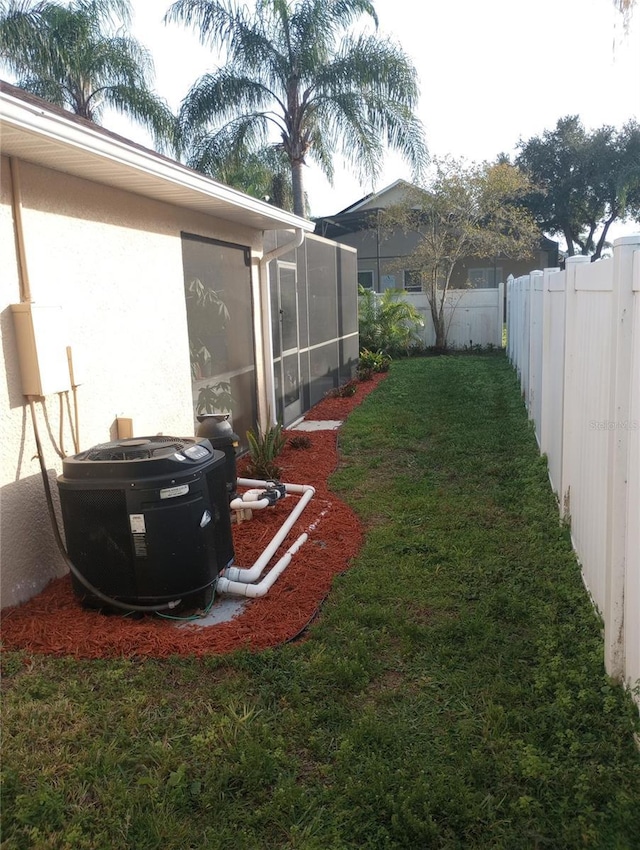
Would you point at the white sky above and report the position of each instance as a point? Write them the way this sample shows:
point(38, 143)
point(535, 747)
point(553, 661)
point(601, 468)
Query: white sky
point(491, 72)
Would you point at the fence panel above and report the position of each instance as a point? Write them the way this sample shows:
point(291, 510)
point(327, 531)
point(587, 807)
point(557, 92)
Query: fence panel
point(474, 317)
point(632, 543)
point(536, 342)
point(552, 401)
point(509, 313)
point(586, 413)
point(574, 338)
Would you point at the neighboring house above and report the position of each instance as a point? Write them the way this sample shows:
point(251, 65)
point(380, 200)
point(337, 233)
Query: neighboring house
point(168, 288)
point(380, 254)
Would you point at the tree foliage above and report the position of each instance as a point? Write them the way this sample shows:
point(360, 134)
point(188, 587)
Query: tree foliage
point(584, 181)
point(264, 173)
point(295, 76)
point(625, 7)
point(77, 56)
point(466, 210)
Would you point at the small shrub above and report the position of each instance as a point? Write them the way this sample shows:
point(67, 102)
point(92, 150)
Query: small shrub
point(300, 441)
point(364, 373)
point(377, 361)
point(264, 448)
point(344, 391)
point(387, 321)
point(416, 349)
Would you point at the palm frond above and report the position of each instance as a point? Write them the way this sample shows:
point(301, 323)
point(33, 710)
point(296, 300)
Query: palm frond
point(76, 56)
point(293, 64)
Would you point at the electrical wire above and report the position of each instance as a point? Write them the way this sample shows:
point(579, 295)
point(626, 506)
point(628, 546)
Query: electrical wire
point(194, 617)
point(45, 413)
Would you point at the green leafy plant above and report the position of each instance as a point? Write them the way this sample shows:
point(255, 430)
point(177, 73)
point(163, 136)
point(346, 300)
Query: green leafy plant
point(387, 322)
point(345, 390)
point(377, 361)
point(364, 373)
point(264, 448)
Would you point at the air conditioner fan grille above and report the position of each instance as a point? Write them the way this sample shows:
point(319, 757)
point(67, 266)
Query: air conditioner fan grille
point(142, 448)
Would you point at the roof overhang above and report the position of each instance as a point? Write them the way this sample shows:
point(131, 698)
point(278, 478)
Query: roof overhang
point(34, 131)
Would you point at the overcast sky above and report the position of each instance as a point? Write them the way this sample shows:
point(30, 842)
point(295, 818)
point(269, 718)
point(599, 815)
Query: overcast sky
point(490, 72)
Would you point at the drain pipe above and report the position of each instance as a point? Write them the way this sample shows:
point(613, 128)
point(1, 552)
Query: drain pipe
point(268, 417)
point(250, 574)
point(240, 588)
point(16, 198)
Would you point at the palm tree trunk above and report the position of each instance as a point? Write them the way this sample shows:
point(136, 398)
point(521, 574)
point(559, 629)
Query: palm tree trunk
point(297, 187)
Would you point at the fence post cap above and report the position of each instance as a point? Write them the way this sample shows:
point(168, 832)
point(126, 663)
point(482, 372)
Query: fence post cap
point(579, 258)
point(631, 239)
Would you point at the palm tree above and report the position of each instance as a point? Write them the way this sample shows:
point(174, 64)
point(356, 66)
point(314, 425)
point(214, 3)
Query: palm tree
point(294, 67)
point(75, 57)
point(263, 173)
point(625, 7)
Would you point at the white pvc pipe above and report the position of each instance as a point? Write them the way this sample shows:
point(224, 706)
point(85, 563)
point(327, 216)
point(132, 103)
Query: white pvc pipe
point(241, 504)
point(240, 588)
point(263, 485)
point(253, 573)
point(249, 499)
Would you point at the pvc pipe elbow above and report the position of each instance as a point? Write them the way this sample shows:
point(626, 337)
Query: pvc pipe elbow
point(226, 584)
point(241, 505)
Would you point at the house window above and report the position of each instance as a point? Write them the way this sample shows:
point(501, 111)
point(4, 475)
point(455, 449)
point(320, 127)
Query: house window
point(412, 281)
point(365, 279)
point(487, 278)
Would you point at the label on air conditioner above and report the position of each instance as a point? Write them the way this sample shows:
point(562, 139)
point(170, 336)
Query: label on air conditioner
point(172, 492)
point(137, 523)
point(139, 534)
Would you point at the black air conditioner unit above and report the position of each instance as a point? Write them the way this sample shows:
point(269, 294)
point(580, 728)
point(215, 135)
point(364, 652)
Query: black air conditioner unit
point(147, 520)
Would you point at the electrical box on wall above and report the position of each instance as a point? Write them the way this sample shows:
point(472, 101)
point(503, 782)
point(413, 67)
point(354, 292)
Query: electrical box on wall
point(42, 351)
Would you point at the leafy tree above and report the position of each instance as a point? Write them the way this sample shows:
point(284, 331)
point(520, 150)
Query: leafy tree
point(388, 323)
point(295, 69)
point(625, 7)
point(75, 57)
point(466, 210)
point(584, 181)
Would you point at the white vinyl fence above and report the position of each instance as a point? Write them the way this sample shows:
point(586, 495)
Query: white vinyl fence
point(574, 339)
point(474, 317)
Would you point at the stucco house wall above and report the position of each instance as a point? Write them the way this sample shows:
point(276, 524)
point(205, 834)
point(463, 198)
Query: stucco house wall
point(112, 260)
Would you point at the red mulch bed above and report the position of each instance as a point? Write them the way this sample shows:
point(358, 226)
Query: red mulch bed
point(54, 623)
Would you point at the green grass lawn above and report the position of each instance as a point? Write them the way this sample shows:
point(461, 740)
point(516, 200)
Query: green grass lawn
point(450, 695)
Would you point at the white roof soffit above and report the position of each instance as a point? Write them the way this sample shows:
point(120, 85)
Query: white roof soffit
point(58, 140)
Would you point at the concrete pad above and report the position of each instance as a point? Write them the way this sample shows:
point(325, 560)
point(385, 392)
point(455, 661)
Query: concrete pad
point(224, 608)
point(326, 425)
